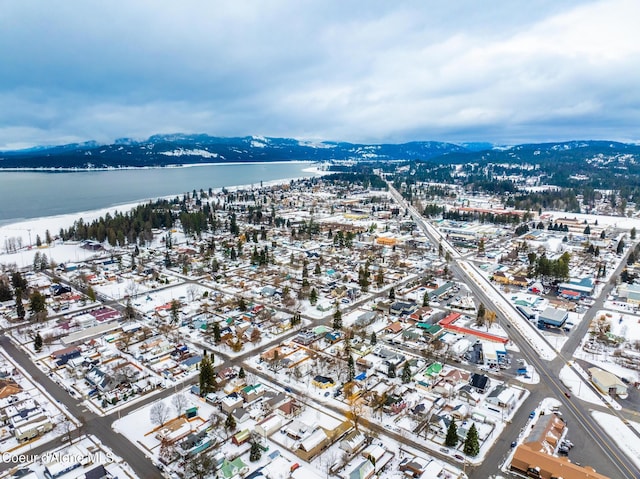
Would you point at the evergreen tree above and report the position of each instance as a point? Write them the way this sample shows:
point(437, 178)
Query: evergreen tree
point(481, 246)
point(351, 373)
point(233, 225)
point(374, 339)
point(230, 422)
point(392, 293)
point(620, 247)
point(36, 261)
point(337, 318)
point(242, 305)
point(391, 372)
point(256, 452)
point(175, 311)
point(17, 281)
point(317, 271)
point(19, 306)
point(425, 299)
point(207, 376)
point(5, 292)
point(406, 373)
point(452, 435)
point(632, 233)
point(37, 343)
point(241, 373)
point(471, 444)
point(216, 332)
point(38, 305)
point(296, 319)
point(313, 296)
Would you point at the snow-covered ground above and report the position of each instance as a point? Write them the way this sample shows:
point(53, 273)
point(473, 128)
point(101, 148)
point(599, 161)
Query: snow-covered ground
point(621, 434)
point(576, 385)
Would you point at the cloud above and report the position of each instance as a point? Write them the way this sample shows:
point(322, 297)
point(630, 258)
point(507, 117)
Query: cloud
point(543, 70)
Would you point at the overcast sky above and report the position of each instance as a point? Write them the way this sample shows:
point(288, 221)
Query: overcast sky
point(360, 71)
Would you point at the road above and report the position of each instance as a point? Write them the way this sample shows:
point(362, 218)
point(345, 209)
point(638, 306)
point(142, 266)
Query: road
point(599, 451)
point(606, 458)
point(99, 426)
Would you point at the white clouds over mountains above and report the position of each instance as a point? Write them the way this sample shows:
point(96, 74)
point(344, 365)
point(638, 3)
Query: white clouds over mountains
point(339, 70)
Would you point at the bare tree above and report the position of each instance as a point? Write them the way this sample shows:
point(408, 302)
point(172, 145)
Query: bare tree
point(167, 451)
point(193, 292)
point(159, 413)
point(132, 289)
point(179, 402)
point(67, 426)
point(200, 466)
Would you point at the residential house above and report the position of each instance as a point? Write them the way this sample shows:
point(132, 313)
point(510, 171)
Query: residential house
point(394, 404)
point(252, 392)
point(413, 467)
point(374, 453)
point(232, 469)
point(289, 409)
point(363, 470)
point(241, 437)
point(312, 444)
point(394, 328)
point(469, 394)
point(323, 382)
point(231, 402)
point(352, 442)
point(480, 382)
point(241, 415)
point(502, 397)
point(268, 426)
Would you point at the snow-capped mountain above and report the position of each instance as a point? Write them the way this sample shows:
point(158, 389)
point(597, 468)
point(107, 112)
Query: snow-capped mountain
point(172, 149)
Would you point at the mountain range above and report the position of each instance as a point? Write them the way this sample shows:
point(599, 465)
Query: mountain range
point(179, 149)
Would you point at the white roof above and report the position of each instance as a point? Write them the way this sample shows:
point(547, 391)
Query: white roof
point(313, 440)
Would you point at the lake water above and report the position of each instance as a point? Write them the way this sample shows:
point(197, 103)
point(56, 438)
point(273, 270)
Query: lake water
point(26, 195)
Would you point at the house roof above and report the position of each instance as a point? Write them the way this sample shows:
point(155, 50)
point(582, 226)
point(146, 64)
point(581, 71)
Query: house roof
point(433, 369)
point(394, 327)
point(479, 381)
point(606, 379)
point(363, 470)
point(551, 466)
point(313, 440)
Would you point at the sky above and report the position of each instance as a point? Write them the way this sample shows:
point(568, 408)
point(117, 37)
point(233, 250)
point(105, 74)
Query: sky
point(344, 70)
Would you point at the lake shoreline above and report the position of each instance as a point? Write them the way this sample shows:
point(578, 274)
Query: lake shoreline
point(28, 229)
point(54, 169)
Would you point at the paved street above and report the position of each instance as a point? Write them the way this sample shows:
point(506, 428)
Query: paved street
point(592, 446)
point(597, 449)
